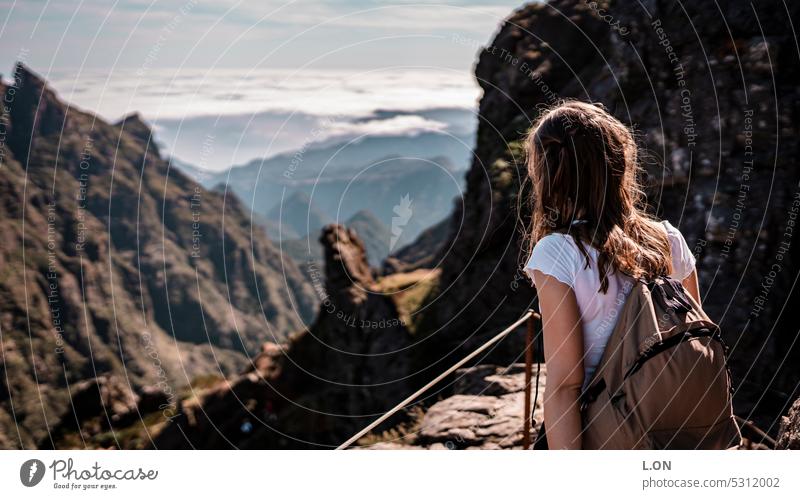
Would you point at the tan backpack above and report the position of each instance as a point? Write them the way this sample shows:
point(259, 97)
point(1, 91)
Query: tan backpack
point(663, 381)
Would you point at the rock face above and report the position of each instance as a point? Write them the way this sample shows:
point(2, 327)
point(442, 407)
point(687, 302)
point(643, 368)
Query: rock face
point(323, 385)
point(716, 110)
point(789, 437)
point(112, 261)
point(99, 405)
point(486, 412)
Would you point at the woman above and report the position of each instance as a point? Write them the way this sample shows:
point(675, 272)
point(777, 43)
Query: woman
point(590, 239)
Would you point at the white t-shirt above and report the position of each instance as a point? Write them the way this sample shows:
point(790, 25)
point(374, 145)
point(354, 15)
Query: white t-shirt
point(558, 255)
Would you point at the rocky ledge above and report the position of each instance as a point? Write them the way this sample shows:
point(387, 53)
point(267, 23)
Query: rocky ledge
point(486, 412)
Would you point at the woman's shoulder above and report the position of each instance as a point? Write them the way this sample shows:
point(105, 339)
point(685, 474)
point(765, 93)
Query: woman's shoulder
point(555, 254)
point(683, 261)
point(556, 240)
point(675, 236)
point(672, 231)
point(664, 225)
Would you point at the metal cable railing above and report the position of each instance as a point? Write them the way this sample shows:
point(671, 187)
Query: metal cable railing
point(530, 316)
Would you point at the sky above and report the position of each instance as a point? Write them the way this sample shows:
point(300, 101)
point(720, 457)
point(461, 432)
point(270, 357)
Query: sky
point(337, 34)
point(267, 71)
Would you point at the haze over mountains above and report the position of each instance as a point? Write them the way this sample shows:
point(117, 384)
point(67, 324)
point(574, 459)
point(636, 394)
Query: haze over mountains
point(348, 140)
point(215, 118)
point(294, 194)
point(218, 142)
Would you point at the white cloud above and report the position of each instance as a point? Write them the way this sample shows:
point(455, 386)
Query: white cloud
point(191, 92)
point(397, 125)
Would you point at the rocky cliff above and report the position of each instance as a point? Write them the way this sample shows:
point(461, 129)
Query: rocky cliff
point(712, 91)
point(112, 262)
point(322, 385)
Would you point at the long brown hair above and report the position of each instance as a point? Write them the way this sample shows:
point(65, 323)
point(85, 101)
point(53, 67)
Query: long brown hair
point(583, 164)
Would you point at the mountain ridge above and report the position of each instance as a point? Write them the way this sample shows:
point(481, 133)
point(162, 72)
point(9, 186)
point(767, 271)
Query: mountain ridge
point(113, 262)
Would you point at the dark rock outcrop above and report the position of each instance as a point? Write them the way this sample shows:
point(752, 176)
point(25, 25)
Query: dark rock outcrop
point(34, 110)
point(350, 366)
point(481, 288)
point(716, 110)
point(99, 405)
point(136, 126)
point(111, 261)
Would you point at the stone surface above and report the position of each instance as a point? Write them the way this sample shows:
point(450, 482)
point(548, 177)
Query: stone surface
point(96, 405)
point(789, 436)
point(486, 412)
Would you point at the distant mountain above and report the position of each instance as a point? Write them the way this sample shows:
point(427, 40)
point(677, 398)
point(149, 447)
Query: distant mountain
point(373, 233)
point(215, 141)
point(305, 251)
point(329, 158)
point(425, 251)
point(295, 217)
point(373, 173)
point(114, 262)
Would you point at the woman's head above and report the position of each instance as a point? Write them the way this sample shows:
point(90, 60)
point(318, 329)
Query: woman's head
point(584, 168)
